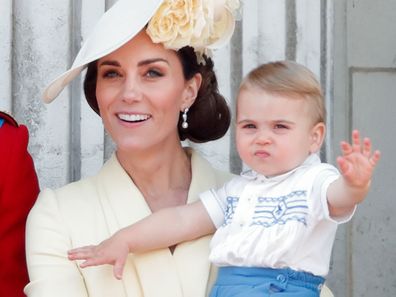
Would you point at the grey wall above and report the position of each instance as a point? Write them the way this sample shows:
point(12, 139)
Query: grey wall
point(364, 98)
point(355, 62)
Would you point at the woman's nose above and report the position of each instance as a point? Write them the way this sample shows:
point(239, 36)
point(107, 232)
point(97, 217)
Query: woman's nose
point(131, 90)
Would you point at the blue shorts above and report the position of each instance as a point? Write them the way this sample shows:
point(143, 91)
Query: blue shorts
point(261, 282)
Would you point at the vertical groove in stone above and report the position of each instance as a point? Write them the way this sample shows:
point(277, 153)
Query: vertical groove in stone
point(236, 67)
point(291, 30)
point(109, 3)
point(109, 145)
point(75, 95)
point(6, 64)
point(323, 76)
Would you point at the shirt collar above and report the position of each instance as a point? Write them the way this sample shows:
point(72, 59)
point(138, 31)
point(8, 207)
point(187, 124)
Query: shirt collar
point(252, 175)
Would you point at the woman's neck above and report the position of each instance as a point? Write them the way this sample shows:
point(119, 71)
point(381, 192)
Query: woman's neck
point(163, 177)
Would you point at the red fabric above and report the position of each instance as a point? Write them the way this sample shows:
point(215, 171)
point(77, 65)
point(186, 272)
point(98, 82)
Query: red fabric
point(18, 191)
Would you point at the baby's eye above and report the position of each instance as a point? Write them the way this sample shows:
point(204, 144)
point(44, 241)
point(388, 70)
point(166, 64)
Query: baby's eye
point(249, 126)
point(152, 73)
point(280, 126)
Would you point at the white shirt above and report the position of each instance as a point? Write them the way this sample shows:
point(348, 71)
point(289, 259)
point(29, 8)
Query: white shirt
point(276, 222)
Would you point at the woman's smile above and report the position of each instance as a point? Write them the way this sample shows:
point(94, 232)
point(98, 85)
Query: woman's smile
point(133, 118)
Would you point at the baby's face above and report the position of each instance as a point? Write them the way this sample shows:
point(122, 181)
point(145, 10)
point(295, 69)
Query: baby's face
point(274, 133)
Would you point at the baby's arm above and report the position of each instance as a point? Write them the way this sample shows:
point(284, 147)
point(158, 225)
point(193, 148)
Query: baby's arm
point(356, 165)
point(161, 229)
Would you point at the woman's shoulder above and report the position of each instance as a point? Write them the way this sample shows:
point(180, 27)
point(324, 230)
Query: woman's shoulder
point(87, 191)
point(73, 195)
point(76, 188)
point(87, 186)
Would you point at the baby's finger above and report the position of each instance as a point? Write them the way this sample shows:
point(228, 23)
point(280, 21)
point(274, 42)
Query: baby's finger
point(81, 253)
point(375, 158)
point(346, 148)
point(91, 262)
point(343, 165)
point(356, 140)
point(81, 249)
point(366, 147)
point(119, 267)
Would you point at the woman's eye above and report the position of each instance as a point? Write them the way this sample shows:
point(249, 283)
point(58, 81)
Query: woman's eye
point(153, 73)
point(110, 74)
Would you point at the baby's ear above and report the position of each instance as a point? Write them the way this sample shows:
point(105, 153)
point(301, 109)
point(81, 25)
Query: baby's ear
point(317, 136)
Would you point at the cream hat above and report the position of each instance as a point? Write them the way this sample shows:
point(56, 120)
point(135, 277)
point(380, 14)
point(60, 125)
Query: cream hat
point(209, 25)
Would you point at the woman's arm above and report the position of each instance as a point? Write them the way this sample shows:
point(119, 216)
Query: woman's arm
point(47, 241)
point(162, 229)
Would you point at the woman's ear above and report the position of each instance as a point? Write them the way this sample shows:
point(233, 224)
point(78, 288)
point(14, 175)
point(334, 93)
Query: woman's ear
point(317, 137)
point(191, 91)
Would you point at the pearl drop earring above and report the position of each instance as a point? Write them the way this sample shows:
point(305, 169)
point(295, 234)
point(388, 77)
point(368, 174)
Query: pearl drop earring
point(185, 124)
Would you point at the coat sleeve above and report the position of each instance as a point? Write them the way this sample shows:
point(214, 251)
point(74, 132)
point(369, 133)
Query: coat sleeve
point(47, 241)
point(18, 191)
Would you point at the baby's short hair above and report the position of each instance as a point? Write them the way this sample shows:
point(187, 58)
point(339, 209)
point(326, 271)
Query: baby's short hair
point(290, 79)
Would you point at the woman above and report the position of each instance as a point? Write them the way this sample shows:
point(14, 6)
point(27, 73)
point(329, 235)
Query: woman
point(151, 92)
point(149, 97)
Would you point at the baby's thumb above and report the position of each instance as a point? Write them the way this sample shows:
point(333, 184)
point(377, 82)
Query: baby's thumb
point(119, 268)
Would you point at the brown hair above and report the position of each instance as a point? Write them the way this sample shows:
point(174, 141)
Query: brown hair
point(208, 118)
point(291, 79)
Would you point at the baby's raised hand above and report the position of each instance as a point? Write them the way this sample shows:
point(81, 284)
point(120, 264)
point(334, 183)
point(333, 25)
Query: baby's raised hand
point(112, 251)
point(357, 161)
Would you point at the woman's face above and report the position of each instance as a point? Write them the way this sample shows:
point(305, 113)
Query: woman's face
point(140, 92)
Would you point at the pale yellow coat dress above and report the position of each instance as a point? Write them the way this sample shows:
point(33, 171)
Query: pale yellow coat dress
point(89, 211)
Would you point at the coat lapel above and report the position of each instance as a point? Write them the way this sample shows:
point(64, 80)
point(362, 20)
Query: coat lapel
point(192, 258)
point(186, 272)
point(123, 205)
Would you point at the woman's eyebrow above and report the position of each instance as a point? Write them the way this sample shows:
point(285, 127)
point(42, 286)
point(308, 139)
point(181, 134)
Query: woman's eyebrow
point(109, 63)
point(149, 61)
point(141, 63)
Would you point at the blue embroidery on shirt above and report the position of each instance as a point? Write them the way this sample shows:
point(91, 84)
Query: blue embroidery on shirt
point(271, 211)
point(1, 122)
point(232, 203)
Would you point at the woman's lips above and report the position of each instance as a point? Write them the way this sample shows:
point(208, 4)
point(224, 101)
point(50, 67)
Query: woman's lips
point(133, 118)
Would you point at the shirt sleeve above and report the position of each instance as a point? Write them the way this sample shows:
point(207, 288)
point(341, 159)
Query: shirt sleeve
point(322, 182)
point(215, 203)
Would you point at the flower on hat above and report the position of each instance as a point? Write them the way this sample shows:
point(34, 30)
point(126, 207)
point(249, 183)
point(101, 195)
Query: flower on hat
point(201, 24)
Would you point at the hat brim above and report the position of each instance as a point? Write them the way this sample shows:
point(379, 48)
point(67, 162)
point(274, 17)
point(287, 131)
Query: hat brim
point(118, 25)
